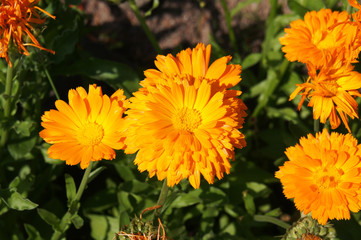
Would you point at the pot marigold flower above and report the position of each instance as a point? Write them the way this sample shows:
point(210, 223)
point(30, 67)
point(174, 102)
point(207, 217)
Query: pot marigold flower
point(85, 129)
point(331, 91)
point(323, 175)
point(16, 17)
point(184, 122)
point(321, 36)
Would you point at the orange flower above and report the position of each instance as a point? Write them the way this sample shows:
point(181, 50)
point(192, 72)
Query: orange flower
point(86, 129)
point(16, 17)
point(321, 36)
point(355, 4)
point(323, 175)
point(184, 122)
point(331, 89)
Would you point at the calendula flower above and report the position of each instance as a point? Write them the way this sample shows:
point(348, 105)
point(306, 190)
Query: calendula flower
point(331, 90)
point(355, 4)
point(185, 122)
point(86, 129)
point(16, 19)
point(321, 36)
point(323, 175)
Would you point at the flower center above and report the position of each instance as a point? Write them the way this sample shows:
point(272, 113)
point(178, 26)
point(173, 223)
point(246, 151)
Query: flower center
point(91, 134)
point(327, 178)
point(324, 40)
point(330, 87)
point(186, 119)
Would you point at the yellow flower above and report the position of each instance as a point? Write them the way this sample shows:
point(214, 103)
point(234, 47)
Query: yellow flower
point(331, 89)
point(16, 17)
point(323, 175)
point(321, 36)
point(86, 129)
point(184, 121)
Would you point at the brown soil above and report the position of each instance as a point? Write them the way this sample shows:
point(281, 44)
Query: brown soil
point(177, 24)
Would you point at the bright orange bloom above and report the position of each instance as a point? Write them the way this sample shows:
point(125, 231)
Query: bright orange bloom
point(86, 129)
point(331, 89)
point(16, 17)
point(184, 121)
point(323, 175)
point(321, 36)
point(355, 4)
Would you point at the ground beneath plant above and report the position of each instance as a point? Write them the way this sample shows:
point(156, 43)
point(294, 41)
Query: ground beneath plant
point(176, 24)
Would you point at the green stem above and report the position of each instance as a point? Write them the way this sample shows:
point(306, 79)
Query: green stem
point(162, 197)
point(145, 27)
point(73, 207)
point(51, 83)
point(316, 125)
point(264, 218)
point(83, 182)
point(8, 98)
point(232, 36)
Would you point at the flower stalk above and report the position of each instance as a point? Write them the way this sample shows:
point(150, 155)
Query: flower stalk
point(232, 36)
point(73, 206)
point(145, 27)
point(7, 107)
point(51, 83)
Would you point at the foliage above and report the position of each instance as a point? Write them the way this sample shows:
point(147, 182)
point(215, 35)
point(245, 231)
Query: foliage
point(36, 191)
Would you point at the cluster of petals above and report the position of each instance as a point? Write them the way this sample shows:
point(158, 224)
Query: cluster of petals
point(16, 19)
point(331, 93)
point(86, 129)
point(184, 121)
point(320, 37)
point(328, 42)
point(323, 175)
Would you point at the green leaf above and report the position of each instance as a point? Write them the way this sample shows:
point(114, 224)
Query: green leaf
point(251, 60)
point(95, 173)
point(124, 171)
point(70, 188)
point(14, 183)
point(23, 128)
point(241, 5)
point(123, 199)
point(33, 234)
point(185, 200)
point(77, 221)
point(103, 227)
point(269, 86)
point(249, 203)
point(21, 148)
point(50, 218)
point(263, 218)
point(288, 114)
point(15, 201)
point(297, 8)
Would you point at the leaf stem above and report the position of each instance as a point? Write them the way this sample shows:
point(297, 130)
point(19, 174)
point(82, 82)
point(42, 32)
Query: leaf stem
point(8, 98)
point(316, 125)
point(145, 27)
point(264, 218)
point(51, 83)
point(232, 36)
point(73, 206)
